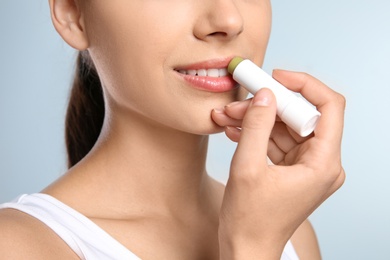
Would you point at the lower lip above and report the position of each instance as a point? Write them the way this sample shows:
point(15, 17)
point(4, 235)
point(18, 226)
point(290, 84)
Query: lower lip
point(211, 84)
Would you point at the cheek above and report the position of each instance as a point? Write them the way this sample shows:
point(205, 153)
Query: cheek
point(130, 47)
point(257, 20)
point(142, 28)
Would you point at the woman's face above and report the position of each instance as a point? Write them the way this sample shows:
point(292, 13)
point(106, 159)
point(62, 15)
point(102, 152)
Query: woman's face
point(145, 49)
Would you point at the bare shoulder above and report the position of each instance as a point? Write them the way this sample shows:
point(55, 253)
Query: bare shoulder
point(24, 237)
point(305, 242)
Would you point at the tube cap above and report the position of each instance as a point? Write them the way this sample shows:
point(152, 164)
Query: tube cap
point(300, 116)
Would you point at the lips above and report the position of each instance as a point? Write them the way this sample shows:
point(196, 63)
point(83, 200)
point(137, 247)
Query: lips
point(210, 75)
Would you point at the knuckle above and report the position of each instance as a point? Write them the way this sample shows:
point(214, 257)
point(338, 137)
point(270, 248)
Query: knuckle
point(341, 100)
point(305, 77)
point(341, 179)
point(335, 177)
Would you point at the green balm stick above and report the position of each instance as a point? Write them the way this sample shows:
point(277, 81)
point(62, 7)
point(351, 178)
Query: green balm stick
point(233, 64)
point(295, 111)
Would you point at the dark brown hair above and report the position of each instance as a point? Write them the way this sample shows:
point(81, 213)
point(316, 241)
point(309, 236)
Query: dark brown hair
point(85, 112)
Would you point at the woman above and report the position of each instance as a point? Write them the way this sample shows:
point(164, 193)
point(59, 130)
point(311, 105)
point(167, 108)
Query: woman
point(137, 143)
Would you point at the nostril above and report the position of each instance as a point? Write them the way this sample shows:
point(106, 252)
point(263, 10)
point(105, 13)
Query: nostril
point(218, 33)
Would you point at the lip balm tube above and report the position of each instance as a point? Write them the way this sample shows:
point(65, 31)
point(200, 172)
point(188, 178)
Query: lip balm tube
point(294, 111)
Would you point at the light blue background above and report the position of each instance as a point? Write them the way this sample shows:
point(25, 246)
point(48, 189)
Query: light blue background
point(344, 43)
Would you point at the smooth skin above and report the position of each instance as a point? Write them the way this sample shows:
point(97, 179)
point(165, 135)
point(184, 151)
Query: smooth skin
point(145, 181)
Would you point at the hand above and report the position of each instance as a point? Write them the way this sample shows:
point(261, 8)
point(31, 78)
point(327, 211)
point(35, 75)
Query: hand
point(264, 204)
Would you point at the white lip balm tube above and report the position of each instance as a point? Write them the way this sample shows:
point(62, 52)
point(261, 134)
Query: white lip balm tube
point(294, 111)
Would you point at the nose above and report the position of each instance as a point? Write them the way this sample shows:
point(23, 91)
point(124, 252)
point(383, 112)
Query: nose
point(219, 19)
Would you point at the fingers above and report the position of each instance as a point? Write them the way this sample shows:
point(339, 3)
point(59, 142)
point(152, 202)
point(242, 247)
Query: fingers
point(223, 119)
point(275, 154)
point(232, 114)
point(282, 137)
point(282, 141)
point(237, 109)
point(233, 133)
point(328, 102)
point(251, 152)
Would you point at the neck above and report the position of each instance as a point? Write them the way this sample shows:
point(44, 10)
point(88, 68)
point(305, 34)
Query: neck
point(139, 167)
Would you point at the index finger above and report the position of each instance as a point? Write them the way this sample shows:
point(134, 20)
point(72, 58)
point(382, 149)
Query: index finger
point(330, 103)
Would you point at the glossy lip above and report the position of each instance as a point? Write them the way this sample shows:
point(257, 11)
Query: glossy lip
point(206, 83)
point(208, 64)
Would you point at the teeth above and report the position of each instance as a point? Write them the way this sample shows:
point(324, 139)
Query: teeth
point(223, 72)
point(202, 73)
point(191, 72)
point(215, 73)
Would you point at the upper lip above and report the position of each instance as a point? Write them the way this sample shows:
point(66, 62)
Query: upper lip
point(217, 63)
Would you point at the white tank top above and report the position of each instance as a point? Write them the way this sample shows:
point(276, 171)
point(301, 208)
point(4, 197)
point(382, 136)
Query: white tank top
point(82, 235)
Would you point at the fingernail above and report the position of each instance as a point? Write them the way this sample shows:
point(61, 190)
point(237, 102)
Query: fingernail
point(233, 129)
point(262, 98)
point(218, 110)
point(279, 70)
point(233, 104)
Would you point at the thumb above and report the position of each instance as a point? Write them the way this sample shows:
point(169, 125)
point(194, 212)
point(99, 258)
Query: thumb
point(251, 152)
